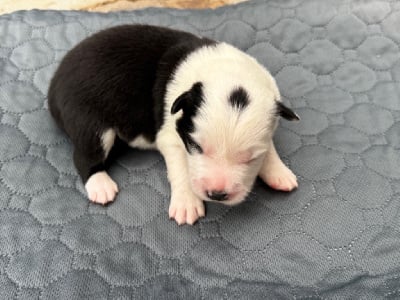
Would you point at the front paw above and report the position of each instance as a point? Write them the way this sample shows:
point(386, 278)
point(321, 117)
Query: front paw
point(279, 177)
point(101, 188)
point(186, 208)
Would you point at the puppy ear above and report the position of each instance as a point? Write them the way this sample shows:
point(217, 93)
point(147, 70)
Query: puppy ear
point(286, 112)
point(180, 102)
point(191, 98)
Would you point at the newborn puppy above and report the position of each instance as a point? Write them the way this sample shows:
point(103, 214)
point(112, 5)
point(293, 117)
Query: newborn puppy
point(210, 109)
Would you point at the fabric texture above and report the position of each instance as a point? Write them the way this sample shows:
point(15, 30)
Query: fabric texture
point(337, 236)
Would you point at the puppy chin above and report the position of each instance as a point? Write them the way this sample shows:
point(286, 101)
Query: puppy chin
point(237, 194)
point(235, 199)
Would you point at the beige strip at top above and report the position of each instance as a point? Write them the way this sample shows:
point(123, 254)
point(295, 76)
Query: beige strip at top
point(7, 6)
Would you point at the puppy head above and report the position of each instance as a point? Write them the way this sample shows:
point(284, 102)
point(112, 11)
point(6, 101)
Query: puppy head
point(225, 141)
point(226, 119)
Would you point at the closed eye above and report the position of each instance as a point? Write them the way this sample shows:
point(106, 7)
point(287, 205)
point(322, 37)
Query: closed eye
point(256, 155)
point(251, 160)
point(195, 146)
point(250, 156)
point(244, 157)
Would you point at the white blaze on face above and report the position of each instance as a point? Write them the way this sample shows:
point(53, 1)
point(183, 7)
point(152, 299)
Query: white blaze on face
point(233, 138)
point(233, 144)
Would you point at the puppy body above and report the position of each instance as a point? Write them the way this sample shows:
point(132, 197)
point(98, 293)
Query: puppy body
point(210, 109)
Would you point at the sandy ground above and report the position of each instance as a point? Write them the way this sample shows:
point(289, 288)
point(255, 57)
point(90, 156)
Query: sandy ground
point(7, 6)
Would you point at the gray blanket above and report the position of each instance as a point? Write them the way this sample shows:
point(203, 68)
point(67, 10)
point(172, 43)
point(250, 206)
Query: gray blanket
point(337, 237)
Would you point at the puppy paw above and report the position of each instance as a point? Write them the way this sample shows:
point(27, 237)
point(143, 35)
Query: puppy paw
point(101, 188)
point(186, 208)
point(279, 177)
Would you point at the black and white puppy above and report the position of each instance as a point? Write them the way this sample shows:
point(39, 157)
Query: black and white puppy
point(210, 109)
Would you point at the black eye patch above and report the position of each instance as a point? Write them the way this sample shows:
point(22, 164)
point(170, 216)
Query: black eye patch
point(189, 102)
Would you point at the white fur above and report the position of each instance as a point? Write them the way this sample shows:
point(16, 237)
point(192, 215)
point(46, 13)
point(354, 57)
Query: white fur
point(185, 206)
point(101, 188)
point(231, 136)
point(275, 173)
point(107, 140)
point(141, 143)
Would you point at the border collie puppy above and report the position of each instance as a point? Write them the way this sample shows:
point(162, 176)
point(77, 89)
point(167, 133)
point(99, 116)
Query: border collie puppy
point(210, 109)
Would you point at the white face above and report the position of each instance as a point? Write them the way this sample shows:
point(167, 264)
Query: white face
point(228, 144)
point(224, 175)
point(227, 115)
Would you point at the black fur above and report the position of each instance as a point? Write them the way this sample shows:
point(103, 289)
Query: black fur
point(239, 99)
point(116, 79)
point(285, 112)
point(189, 102)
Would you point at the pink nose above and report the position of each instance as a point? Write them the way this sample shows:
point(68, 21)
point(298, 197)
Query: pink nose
point(215, 188)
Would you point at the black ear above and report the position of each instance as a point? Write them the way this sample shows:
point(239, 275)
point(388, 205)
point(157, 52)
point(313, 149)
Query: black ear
point(180, 102)
point(190, 99)
point(286, 112)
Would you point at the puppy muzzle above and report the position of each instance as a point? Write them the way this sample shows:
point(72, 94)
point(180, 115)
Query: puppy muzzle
point(217, 195)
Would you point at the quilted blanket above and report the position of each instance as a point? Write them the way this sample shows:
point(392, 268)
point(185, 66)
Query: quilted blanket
point(337, 236)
